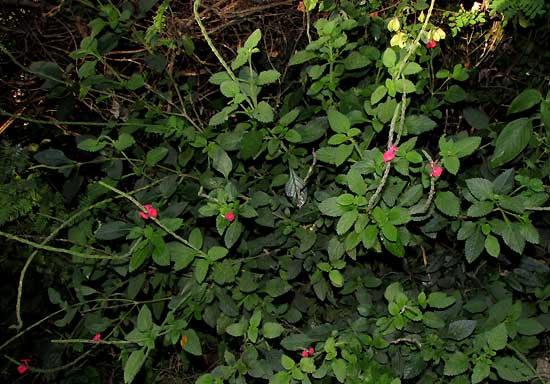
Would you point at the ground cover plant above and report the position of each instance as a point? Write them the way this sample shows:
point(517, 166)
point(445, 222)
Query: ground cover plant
point(194, 196)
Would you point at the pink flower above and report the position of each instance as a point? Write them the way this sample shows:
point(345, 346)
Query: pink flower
point(311, 351)
point(97, 337)
point(389, 155)
point(305, 353)
point(230, 216)
point(151, 212)
point(24, 367)
point(436, 171)
point(431, 44)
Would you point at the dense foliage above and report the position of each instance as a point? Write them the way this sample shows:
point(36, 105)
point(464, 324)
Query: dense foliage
point(365, 209)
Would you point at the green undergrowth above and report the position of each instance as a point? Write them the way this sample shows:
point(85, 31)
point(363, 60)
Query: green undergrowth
point(324, 222)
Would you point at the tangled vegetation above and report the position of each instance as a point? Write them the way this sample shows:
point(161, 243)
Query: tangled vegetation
point(285, 192)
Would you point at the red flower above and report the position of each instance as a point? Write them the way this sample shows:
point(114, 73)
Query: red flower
point(97, 337)
point(311, 351)
point(431, 44)
point(301, 7)
point(24, 367)
point(436, 170)
point(389, 155)
point(305, 353)
point(230, 216)
point(151, 212)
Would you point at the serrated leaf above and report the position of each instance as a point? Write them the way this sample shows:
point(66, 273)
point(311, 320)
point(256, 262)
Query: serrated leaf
point(144, 319)
point(461, 329)
point(389, 58)
point(440, 300)
point(272, 330)
point(480, 209)
point(201, 269)
point(412, 68)
point(480, 372)
point(268, 77)
point(263, 112)
point(155, 155)
point(511, 369)
point(378, 94)
point(456, 364)
point(447, 203)
point(417, 124)
point(295, 189)
point(346, 221)
point(338, 121)
point(497, 338)
point(466, 146)
point(193, 345)
point(331, 207)
point(124, 141)
point(512, 237)
point(529, 327)
point(492, 246)
point(474, 245)
point(133, 365)
point(221, 161)
point(482, 189)
point(336, 278)
point(230, 88)
point(113, 230)
point(477, 119)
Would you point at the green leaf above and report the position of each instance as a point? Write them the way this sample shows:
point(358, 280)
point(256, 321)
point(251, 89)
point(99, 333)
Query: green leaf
point(331, 207)
point(339, 367)
point(113, 230)
point(88, 145)
point(207, 378)
point(181, 255)
point(230, 88)
point(268, 77)
point(124, 141)
point(455, 94)
point(336, 278)
point(253, 40)
point(456, 364)
point(447, 203)
point(524, 101)
point(511, 369)
point(346, 221)
point(195, 238)
point(233, 233)
point(263, 112)
point(272, 330)
point(389, 58)
point(512, 237)
point(216, 253)
point(529, 327)
point(466, 146)
point(497, 338)
point(237, 329)
point(480, 209)
point(338, 121)
point(335, 155)
point(251, 144)
point(389, 231)
point(492, 246)
point(451, 164)
point(440, 300)
point(52, 157)
point(418, 124)
point(193, 345)
point(476, 118)
point(404, 86)
point(135, 81)
point(301, 57)
point(144, 319)
point(480, 372)
point(201, 269)
point(133, 365)
point(378, 94)
point(474, 245)
point(221, 160)
point(511, 141)
point(412, 68)
point(155, 155)
point(482, 189)
point(356, 183)
point(461, 329)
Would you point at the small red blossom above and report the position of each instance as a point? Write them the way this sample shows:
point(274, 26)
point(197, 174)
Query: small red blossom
point(97, 337)
point(436, 171)
point(389, 155)
point(305, 353)
point(230, 216)
point(431, 44)
point(151, 212)
point(23, 367)
point(311, 351)
point(301, 7)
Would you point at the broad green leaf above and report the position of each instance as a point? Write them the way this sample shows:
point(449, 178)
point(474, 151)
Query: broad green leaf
point(474, 245)
point(263, 112)
point(497, 338)
point(124, 141)
point(272, 330)
point(480, 209)
point(440, 300)
point(295, 189)
point(230, 88)
point(155, 155)
point(216, 253)
point(339, 367)
point(221, 160)
point(480, 372)
point(287, 362)
point(389, 58)
point(411, 68)
point(456, 364)
point(133, 365)
point(389, 231)
point(418, 124)
point(524, 101)
point(336, 278)
point(335, 155)
point(476, 118)
point(466, 146)
point(53, 157)
point(511, 369)
point(251, 144)
point(513, 238)
point(237, 329)
point(338, 121)
point(201, 269)
point(529, 327)
point(511, 141)
point(135, 81)
point(301, 57)
point(331, 207)
point(144, 319)
point(253, 40)
point(461, 329)
point(113, 230)
point(482, 189)
point(448, 203)
point(455, 94)
point(492, 246)
point(404, 86)
point(268, 77)
point(193, 345)
point(378, 94)
point(233, 233)
point(451, 163)
point(356, 183)
point(346, 221)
